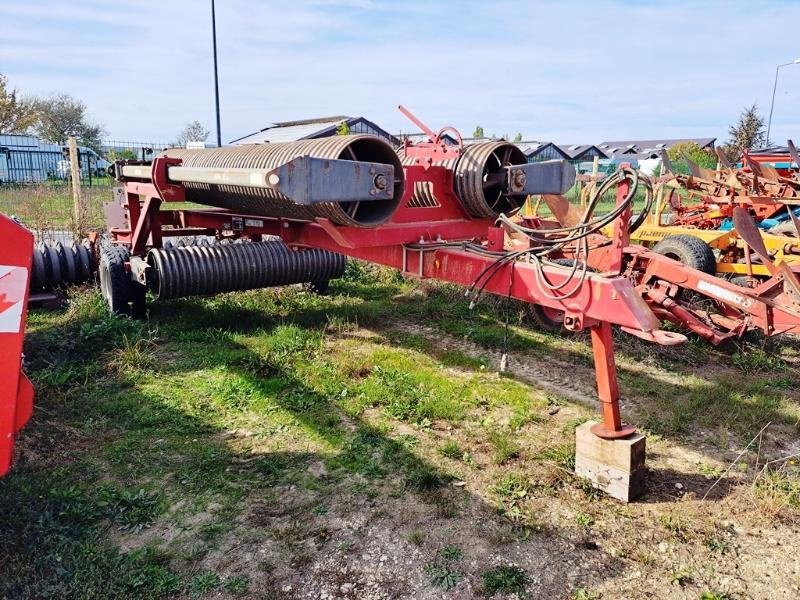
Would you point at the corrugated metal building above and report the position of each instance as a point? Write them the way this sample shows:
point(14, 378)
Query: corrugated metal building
point(310, 129)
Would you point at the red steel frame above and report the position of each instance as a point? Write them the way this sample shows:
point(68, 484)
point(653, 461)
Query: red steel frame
point(413, 241)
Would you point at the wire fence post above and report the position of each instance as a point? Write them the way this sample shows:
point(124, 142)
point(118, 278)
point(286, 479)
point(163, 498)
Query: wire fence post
point(77, 200)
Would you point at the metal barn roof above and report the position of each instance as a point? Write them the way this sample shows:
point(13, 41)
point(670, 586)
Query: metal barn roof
point(306, 129)
point(646, 148)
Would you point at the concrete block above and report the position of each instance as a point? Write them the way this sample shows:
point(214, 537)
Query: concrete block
point(615, 466)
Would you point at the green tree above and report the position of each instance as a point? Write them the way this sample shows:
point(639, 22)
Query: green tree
point(478, 133)
point(343, 128)
point(61, 116)
point(17, 114)
point(124, 154)
point(748, 133)
point(700, 156)
point(518, 138)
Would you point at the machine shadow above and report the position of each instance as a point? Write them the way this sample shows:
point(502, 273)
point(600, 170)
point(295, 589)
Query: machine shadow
point(137, 431)
point(376, 307)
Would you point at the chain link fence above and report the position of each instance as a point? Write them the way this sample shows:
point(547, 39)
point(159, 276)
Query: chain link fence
point(36, 183)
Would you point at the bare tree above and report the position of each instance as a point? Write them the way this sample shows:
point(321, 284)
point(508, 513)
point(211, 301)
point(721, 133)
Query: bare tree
point(17, 114)
point(61, 116)
point(193, 132)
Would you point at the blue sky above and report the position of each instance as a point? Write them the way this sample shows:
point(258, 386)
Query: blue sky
point(572, 72)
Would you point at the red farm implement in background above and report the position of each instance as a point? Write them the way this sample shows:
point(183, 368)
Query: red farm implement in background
point(16, 391)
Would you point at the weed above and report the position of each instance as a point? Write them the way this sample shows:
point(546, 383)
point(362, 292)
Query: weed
point(131, 510)
point(416, 537)
point(681, 577)
point(778, 489)
point(563, 455)
point(756, 360)
point(583, 593)
point(512, 487)
point(717, 545)
point(451, 449)
point(203, 583)
point(425, 479)
point(673, 524)
point(584, 520)
point(714, 596)
point(505, 447)
point(507, 579)
point(237, 584)
point(451, 553)
point(709, 471)
point(443, 577)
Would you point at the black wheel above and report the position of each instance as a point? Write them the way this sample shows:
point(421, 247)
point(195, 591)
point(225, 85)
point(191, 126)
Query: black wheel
point(689, 250)
point(552, 319)
point(138, 293)
point(318, 287)
point(548, 319)
point(115, 282)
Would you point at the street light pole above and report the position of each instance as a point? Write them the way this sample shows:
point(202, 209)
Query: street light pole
point(796, 61)
point(216, 78)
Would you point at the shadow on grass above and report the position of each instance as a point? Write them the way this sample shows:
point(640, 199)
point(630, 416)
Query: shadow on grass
point(105, 453)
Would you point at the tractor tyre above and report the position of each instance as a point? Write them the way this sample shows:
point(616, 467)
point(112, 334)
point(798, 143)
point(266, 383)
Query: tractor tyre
point(115, 282)
point(689, 250)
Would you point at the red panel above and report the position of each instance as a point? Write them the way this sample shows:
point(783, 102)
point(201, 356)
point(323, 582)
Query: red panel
point(16, 393)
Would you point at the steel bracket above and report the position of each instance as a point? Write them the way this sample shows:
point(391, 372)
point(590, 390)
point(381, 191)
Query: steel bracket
point(307, 180)
point(547, 177)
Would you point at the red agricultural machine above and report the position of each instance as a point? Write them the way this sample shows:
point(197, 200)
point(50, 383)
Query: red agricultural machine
point(430, 210)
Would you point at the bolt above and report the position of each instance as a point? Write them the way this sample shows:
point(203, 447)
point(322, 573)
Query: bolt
point(518, 180)
point(380, 181)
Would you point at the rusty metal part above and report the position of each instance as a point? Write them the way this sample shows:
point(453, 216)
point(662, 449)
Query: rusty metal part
point(269, 202)
point(185, 271)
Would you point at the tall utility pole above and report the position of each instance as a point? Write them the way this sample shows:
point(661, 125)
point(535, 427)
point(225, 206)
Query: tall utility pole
point(216, 77)
point(796, 61)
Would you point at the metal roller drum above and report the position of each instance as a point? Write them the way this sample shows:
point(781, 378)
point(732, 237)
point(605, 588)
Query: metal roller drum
point(180, 272)
point(55, 265)
point(270, 203)
point(478, 179)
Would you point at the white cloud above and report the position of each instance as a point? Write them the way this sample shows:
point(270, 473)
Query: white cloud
point(566, 71)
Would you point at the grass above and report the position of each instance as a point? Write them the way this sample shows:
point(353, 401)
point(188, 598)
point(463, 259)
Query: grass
point(506, 579)
point(287, 428)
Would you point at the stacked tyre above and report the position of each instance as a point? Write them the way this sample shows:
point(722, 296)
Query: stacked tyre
point(56, 265)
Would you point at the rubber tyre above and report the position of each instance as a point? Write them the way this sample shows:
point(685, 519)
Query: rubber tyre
point(115, 282)
point(551, 319)
point(690, 251)
point(318, 287)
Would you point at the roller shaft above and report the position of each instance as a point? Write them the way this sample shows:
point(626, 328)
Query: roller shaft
point(269, 202)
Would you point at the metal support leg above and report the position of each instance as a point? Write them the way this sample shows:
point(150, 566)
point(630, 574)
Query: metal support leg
point(607, 387)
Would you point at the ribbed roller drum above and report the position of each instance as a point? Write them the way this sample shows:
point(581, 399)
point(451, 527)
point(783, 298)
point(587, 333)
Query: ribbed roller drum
point(479, 178)
point(270, 203)
point(183, 271)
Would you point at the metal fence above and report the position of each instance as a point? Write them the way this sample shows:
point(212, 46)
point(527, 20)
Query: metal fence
point(36, 186)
